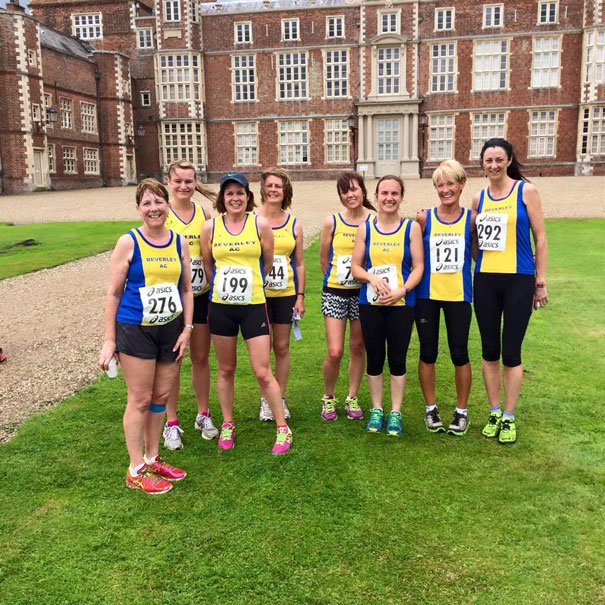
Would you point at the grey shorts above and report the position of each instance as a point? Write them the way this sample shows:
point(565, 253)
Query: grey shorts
point(340, 307)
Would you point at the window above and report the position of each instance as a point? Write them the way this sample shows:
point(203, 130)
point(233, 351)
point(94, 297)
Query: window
point(91, 161)
point(443, 67)
point(596, 125)
point(36, 113)
point(69, 160)
point(388, 70)
point(290, 29)
point(387, 138)
point(485, 126)
point(444, 19)
point(48, 100)
point(31, 58)
point(441, 137)
point(194, 11)
point(491, 65)
point(179, 77)
point(246, 144)
point(145, 37)
point(244, 77)
point(548, 12)
point(595, 57)
point(242, 32)
point(388, 22)
point(545, 62)
point(172, 10)
point(88, 113)
point(335, 27)
point(52, 162)
point(87, 26)
point(542, 126)
point(182, 141)
point(67, 113)
point(145, 98)
point(335, 77)
point(493, 15)
point(293, 142)
point(292, 75)
point(336, 141)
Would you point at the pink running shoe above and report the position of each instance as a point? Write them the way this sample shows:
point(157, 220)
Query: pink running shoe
point(226, 441)
point(354, 412)
point(283, 440)
point(166, 471)
point(328, 408)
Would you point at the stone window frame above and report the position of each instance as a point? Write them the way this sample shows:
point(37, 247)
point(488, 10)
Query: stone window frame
point(70, 158)
point(245, 136)
point(442, 83)
point(92, 165)
point(246, 74)
point(87, 26)
point(288, 87)
point(342, 69)
point(441, 18)
point(336, 141)
point(441, 136)
point(542, 126)
point(502, 72)
point(550, 71)
point(486, 125)
point(493, 16)
point(293, 142)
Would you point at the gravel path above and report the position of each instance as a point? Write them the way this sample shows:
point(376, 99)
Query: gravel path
point(51, 322)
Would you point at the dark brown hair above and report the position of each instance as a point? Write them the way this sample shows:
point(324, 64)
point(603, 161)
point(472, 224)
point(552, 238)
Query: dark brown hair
point(391, 177)
point(220, 198)
point(343, 185)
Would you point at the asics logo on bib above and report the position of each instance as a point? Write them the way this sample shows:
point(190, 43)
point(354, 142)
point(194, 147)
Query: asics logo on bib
point(159, 290)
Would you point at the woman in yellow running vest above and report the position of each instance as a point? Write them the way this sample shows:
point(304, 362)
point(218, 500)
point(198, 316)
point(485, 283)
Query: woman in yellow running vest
point(237, 248)
point(187, 217)
point(148, 324)
point(509, 283)
point(285, 284)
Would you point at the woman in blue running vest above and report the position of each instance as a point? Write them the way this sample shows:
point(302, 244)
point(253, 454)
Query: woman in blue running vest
point(148, 324)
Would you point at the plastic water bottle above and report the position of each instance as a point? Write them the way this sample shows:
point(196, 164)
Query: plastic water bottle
point(296, 326)
point(112, 368)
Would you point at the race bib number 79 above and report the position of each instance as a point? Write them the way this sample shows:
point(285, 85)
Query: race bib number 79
point(198, 276)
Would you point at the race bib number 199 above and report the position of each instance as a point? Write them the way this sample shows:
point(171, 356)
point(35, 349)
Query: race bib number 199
point(491, 231)
point(161, 304)
point(343, 271)
point(233, 285)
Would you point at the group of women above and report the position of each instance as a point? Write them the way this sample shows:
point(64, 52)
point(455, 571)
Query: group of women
point(185, 279)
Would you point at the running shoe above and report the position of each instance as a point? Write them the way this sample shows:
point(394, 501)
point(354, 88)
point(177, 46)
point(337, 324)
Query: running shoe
point(375, 422)
point(166, 471)
point(394, 424)
point(172, 437)
point(354, 412)
point(148, 482)
point(283, 441)
point(459, 425)
point(433, 421)
point(492, 428)
point(264, 413)
point(206, 426)
point(328, 408)
point(227, 439)
point(508, 431)
point(286, 410)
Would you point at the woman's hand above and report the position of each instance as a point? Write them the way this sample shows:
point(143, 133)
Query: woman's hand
point(540, 296)
point(392, 296)
point(182, 342)
point(108, 352)
point(299, 306)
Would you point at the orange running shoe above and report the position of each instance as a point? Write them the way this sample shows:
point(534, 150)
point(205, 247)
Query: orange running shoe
point(166, 471)
point(148, 482)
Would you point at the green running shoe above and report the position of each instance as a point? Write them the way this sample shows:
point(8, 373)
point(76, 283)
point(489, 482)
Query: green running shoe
point(394, 424)
point(375, 422)
point(492, 428)
point(508, 431)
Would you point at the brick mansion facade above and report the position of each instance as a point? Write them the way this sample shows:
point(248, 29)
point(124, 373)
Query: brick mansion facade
point(104, 92)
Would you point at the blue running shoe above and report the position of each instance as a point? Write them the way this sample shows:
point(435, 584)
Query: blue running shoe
point(375, 422)
point(394, 424)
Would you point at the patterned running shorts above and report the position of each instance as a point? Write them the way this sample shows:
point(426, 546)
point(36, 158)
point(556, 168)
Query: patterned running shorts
point(339, 307)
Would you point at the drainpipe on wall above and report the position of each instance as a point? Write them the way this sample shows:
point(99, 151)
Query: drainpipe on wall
point(100, 125)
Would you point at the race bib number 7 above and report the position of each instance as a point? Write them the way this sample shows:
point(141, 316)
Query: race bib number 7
point(233, 285)
point(161, 304)
point(343, 271)
point(491, 231)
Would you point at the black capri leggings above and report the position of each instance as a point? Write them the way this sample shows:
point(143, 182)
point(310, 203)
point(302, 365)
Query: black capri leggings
point(457, 322)
point(386, 328)
point(498, 294)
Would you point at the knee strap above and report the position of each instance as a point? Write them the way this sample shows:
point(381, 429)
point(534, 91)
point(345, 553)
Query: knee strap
point(157, 408)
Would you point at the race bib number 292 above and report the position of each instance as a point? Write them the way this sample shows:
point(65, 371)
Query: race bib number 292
point(491, 231)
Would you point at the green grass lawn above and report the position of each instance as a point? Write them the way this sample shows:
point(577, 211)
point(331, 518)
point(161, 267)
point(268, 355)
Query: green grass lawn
point(345, 517)
point(55, 244)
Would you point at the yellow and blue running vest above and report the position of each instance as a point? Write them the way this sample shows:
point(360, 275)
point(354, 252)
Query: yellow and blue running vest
point(282, 279)
point(152, 293)
point(237, 277)
point(191, 232)
point(503, 232)
point(388, 255)
point(338, 274)
point(447, 258)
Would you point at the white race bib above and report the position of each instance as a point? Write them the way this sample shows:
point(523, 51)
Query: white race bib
point(386, 272)
point(277, 279)
point(198, 275)
point(491, 231)
point(233, 285)
point(447, 253)
point(344, 276)
point(161, 304)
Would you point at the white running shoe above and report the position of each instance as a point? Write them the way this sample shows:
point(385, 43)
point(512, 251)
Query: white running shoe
point(286, 410)
point(264, 413)
point(172, 437)
point(206, 426)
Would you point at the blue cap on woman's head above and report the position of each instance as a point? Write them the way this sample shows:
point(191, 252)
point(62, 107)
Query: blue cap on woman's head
point(237, 177)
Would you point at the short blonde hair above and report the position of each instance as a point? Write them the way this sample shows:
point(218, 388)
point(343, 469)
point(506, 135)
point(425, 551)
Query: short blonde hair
point(450, 169)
